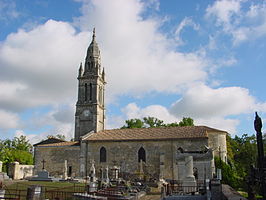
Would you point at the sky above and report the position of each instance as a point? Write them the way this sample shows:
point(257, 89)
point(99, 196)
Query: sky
point(167, 59)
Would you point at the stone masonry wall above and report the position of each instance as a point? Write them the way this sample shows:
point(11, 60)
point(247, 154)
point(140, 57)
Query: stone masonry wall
point(55, 157)
point(217, 141)
point(125, 155)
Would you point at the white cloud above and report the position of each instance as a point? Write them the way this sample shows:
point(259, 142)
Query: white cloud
point(8, 120)
point(137, 56)
point(186, 22)
point(221, 123)
point(133, 111)
point(202, 101)
point(240, 24)
point(223, 10)
point(39, 67)
point(8, 10)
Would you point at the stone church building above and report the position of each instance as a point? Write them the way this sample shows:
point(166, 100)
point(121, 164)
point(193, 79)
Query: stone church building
point(155, 152)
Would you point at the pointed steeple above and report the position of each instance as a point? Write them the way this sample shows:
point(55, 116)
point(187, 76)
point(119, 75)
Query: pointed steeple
point(103, 74)
point(80, 70)
point(93, 50)
point(93, 34)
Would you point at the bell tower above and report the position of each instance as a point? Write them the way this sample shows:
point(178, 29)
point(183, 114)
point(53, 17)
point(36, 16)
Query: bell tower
point(90, 111)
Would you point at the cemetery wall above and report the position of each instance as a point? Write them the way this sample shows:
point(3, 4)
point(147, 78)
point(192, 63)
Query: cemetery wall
point(17, 171)
point(55, 157)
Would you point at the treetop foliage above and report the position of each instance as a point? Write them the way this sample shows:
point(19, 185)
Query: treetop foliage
point(19, 149)
point(150, 122)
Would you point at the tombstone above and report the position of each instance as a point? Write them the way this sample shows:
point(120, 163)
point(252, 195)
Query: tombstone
point(2, 193)
point(189, 181)
point(65, 170)
point(141, 171)
point(34, 192)
point(42, 176)
point(115, 171)
point(219, 174)
point(107, 180)
point(92, 172)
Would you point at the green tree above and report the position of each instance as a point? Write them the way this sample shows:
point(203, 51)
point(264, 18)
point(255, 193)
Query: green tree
point(153, 122)
point(134, 123)
point(186, 121)
point(229, 175)
point(148, 122)
point(21, 143)
point(19, 149)
point(58, 136)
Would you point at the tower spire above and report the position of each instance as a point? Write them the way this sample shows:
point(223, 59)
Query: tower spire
point(93, 34)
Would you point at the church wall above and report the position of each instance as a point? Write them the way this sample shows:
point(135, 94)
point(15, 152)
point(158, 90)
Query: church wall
point(55, 157)
point(125, 155)
point(217, 141)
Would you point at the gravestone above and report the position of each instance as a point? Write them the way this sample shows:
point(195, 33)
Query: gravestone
point(34, 192)
point(65, 170)
point(189, 181)
point(93, 183)
point(42, 176)
point(3, 175)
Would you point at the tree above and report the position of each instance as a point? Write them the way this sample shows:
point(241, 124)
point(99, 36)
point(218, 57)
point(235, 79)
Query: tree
point(186, 121)
point(149, 122)
point(134, 123)
point(58, 136)
point(19, 149)
point(21, 143)
point(153, 122)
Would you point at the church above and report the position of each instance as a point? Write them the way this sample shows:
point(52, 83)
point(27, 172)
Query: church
point(158, 153)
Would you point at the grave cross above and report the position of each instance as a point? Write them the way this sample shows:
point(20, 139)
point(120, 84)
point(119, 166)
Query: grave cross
point(43, 161)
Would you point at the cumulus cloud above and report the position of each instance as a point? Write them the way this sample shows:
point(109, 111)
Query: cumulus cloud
point(240, 24)
point(137, 56)
point(202, 101)
point(168, 115)
point(8, 120)
point(39, 67)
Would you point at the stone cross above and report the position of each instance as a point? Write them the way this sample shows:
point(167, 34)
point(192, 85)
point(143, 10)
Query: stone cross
point(43, 161)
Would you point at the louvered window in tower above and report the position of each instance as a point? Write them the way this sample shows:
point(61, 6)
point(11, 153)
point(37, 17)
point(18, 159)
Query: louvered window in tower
point(86, 92)
point(90, 91)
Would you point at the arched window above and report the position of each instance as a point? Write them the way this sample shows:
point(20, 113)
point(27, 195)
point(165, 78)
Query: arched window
point(90, 91)
point(142, 154)
point(102, 154)
point(86, 91)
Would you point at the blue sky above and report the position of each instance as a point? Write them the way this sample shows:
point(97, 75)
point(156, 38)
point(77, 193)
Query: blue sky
point(168, 59)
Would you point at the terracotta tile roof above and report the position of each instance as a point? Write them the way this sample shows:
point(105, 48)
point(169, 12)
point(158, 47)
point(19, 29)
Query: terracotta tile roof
point(59, 144)
point(49, 141)
point(162, 133)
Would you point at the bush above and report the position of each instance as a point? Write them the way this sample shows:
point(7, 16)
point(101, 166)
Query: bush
point(229, 175)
